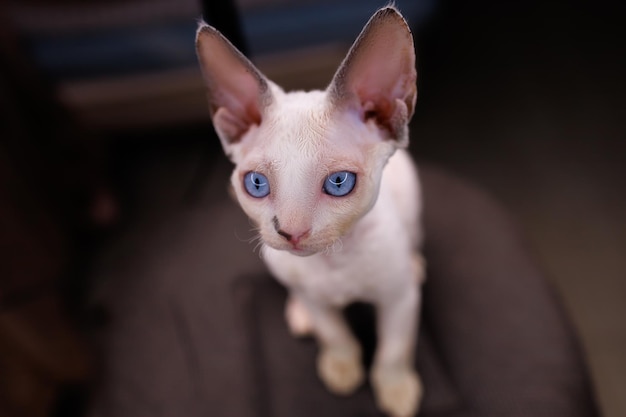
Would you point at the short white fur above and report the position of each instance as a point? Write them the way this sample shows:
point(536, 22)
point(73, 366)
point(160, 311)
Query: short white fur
point(330, 251)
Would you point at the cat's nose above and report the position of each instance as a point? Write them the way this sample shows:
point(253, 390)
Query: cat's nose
point(291, 236)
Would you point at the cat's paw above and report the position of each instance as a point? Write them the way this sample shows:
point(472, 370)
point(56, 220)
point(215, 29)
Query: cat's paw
point(298, 318)
point(340, 369)
point(398, 391)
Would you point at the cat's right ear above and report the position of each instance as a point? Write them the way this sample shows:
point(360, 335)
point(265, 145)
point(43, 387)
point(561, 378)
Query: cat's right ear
point(377, 79)
point(237, 91)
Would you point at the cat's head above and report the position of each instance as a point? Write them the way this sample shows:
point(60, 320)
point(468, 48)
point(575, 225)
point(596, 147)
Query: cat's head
point(309, 164)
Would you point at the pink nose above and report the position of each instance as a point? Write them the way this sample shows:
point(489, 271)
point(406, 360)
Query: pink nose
point(292, 237)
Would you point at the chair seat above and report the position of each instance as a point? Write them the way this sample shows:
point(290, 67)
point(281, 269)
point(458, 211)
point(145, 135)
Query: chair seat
point(196, 324)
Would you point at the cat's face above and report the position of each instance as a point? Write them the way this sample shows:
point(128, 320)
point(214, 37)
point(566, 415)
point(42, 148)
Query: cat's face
point(309, 165)
point(307, 176)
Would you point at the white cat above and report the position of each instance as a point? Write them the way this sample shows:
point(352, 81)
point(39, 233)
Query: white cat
point(337, 207)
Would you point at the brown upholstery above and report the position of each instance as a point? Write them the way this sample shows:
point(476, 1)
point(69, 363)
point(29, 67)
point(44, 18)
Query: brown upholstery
point(196, 324)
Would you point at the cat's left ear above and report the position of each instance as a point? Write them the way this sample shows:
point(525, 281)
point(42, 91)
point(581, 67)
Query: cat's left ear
point(238, 92)
point(378, 77)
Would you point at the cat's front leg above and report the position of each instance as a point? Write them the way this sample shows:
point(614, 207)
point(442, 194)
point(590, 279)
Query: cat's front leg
point(339, 359)
point(298, 318)
point(397, 385)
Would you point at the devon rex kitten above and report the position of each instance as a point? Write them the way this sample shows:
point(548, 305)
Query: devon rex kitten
point(338, 215)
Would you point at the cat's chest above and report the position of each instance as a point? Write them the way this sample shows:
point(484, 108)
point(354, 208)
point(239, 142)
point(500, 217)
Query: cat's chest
point(362, 273)
point(339, 280)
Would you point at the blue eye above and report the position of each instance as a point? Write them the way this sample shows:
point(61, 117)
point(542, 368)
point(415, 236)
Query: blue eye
point(340, 183)
point(256, 184)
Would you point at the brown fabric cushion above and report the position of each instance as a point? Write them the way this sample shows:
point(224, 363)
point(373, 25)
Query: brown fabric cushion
point(196, 325)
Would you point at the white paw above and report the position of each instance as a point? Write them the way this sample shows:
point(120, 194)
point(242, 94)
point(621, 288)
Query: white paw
point(398, 392)
point(340, 369)
point(298, 318)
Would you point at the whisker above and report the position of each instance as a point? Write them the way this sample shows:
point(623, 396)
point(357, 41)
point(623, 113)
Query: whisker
point(241, 239)
point(328, 249)
point(253, 238)
point(255, 235)
point(334, 247)
point(337, 245)
point(256, 239)
point(260, 245)
point(254, 227)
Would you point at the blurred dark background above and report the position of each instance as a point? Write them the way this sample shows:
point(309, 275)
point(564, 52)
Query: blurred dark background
point(105, 133)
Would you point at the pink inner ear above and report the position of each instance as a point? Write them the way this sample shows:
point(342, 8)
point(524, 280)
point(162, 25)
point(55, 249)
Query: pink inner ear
point(378, 75)
point(228, 125)
point(236, 88)
point(378, 109)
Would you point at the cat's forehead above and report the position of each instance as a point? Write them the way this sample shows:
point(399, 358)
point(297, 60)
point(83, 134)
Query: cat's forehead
point(304, 131)
point(297, 121)
point(299, 111)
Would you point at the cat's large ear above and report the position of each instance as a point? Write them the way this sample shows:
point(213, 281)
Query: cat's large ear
point(378, 77)
point(237, 91)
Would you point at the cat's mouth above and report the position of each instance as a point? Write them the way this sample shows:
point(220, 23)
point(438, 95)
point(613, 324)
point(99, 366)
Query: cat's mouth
point(301, 251)
point(298, 249)
point(306, 248)
point(322, 242)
